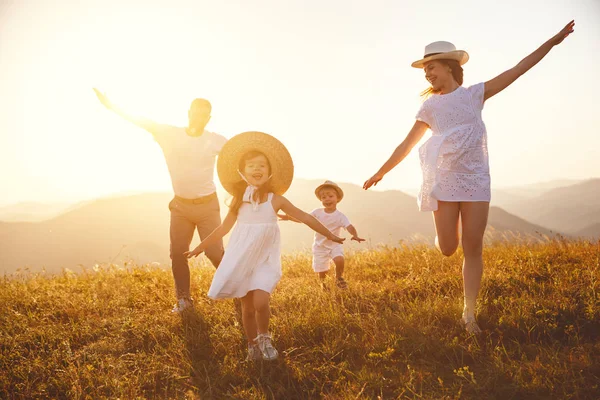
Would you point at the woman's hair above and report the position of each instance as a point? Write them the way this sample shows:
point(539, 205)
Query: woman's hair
point(457, 74)
point(240, 187)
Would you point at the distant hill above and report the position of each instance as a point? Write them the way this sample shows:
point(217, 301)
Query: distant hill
point(590, 232)
point(535, 189)
point(568, 209)
point(31, 211)
point(137, 228)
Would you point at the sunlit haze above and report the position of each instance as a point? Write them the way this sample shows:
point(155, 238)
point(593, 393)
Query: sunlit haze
point(331, 79)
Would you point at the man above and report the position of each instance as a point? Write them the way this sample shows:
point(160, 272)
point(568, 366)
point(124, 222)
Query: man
point(190, 155)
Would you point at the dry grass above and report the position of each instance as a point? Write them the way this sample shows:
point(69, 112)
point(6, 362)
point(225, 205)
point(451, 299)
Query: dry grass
point(108, 333)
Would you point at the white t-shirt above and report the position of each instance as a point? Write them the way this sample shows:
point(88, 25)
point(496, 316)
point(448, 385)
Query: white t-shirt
point(191, 160)
point(334, 221)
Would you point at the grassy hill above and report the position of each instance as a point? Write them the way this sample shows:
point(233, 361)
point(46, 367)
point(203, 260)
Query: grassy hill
point(136, 227)
point(107, 332)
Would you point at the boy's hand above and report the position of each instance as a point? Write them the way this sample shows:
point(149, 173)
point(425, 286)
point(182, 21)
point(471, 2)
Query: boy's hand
point(357, 239)
point(193, 253)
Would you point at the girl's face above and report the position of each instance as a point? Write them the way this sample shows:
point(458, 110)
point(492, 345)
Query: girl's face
point(256, 170)
point(328, 197)
point(437, 74)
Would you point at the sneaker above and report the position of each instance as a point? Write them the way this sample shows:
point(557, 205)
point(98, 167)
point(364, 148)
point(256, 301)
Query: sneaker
point(263, 341)
point(254, 353)
point(341, 283)
point(471, 325)
point(183, 304)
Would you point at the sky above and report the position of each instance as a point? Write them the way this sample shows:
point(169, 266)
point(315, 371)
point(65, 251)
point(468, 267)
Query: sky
point(330, 78)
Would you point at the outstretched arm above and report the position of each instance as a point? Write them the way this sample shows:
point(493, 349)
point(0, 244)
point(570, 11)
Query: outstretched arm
point(142, 122)
point(503, 80)
point(285, 217)
point(352, 230)
point(215, 235)
point(413, 137)
point(286, 206)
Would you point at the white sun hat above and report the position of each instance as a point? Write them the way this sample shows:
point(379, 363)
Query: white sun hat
point(441, 51)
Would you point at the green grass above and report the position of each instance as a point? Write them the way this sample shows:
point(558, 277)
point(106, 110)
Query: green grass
point(107, 332)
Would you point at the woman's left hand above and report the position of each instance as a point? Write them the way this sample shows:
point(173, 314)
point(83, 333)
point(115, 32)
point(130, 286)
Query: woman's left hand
point(372, 181)
point(566, 31)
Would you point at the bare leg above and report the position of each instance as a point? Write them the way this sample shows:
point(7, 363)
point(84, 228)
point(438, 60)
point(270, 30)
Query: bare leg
point(263, 312)
point(446, 226)
point(322, 275)
point(249, 317)
point(474, 217)
point(339, 266)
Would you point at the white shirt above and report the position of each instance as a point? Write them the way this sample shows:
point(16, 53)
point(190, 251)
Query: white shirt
point(191, 160)
point(334, 221)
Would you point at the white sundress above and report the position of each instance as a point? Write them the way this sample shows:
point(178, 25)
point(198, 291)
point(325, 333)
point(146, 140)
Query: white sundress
point(454, 160)
point(252, 259)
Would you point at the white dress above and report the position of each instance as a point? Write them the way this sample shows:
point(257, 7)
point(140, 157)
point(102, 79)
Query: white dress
point(454, 160)
point(252, 259)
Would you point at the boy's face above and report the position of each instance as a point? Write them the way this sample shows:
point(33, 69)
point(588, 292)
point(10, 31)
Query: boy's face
point(328, 197)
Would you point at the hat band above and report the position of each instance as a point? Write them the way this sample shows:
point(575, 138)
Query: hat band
point(431, 54)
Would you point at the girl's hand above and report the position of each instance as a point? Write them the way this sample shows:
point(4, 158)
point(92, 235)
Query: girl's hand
point(284, 217)
point(336, 239)
point(357, 239)
point(566, 31)
point(193, 253)
point(372, 181)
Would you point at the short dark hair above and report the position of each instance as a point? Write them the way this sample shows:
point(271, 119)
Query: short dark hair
point(199, 102)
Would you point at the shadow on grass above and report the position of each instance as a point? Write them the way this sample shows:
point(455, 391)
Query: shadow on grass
point(213, 376)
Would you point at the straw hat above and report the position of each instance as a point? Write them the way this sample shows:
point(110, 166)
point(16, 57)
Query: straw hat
point(330, 184)
point(441, 51)
point(282, 166)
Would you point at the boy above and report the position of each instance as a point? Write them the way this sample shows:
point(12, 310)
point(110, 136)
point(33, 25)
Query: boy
point(324, 250)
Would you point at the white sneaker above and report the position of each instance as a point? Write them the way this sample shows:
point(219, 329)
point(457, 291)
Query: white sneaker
point(263, 340)
point(254, 353)
point(183, 304)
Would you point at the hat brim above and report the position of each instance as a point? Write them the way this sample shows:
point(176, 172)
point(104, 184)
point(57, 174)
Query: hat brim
point(458, 55)
point(282, 166)
point(338, 190)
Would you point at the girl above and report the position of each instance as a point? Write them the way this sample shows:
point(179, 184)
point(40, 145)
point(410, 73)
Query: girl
point(256, 169)
point(456, 180)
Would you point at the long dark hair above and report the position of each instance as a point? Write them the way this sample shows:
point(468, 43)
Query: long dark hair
point(240, 187)
point(457, 74)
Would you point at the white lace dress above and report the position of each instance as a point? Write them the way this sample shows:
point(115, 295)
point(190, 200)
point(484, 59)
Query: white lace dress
point(252, 259)
point(454, 160)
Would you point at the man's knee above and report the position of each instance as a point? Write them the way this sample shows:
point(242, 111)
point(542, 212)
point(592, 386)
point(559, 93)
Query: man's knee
point(176, 253)
point(248, 311)
point(215, 254)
